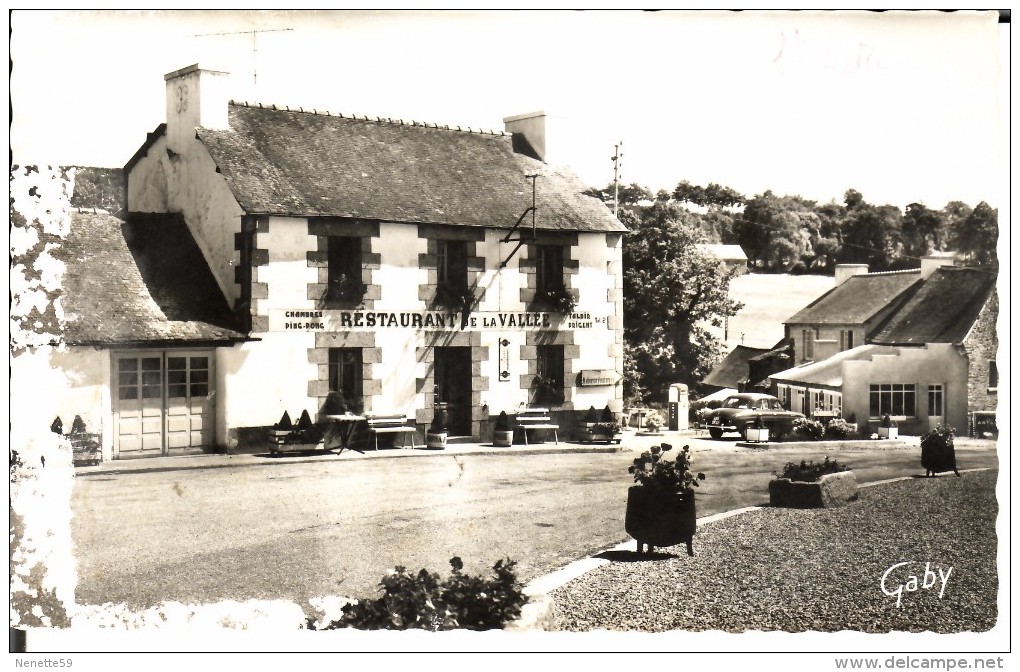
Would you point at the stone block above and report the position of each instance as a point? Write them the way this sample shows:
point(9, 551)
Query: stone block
point(829, 491)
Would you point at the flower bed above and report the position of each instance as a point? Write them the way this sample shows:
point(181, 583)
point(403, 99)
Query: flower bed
point(809, 485)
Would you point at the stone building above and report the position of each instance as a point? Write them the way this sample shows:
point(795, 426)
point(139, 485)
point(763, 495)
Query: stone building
point(396, 262)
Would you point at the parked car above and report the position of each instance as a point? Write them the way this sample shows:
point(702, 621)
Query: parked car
point(740, 411)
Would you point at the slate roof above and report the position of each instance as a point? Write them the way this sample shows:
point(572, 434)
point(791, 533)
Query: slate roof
point(297, 163)
point(142, 281)
point(858, 299)
point(941, 310)
point(733, 369)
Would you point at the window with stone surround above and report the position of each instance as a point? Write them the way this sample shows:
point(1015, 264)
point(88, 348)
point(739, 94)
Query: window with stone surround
point(993, 376)
point(548, 268)
point(549, 374)
point(452, 287)
point(344, 264)
point(345, 373)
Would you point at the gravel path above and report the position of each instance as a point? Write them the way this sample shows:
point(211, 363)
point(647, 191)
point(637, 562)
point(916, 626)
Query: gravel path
point(820, 569)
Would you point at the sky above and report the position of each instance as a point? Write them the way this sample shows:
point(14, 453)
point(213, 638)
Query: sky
point(903, 107)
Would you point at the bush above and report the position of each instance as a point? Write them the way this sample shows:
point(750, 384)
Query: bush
point(422, 601)
point(807, 430)
point(839, 429)
point(809, 472)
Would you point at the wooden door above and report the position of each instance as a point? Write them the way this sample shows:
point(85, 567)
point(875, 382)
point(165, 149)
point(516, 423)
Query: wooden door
point(138, 398)
point(453, 378)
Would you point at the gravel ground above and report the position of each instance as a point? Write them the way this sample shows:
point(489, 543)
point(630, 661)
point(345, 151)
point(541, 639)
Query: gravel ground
point(821, 569)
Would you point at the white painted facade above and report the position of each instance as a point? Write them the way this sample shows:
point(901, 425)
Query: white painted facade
point(282, 369)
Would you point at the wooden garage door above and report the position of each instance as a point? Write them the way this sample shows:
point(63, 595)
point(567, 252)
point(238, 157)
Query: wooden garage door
point(163, 400)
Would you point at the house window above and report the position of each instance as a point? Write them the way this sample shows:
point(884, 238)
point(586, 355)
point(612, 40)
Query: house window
point(549, 268)
point(808, 337)
point(784, 396)
point(345, 372)
point(549, 381)
point(451, 263)
point(187, 377)
point(935, 401)
point(846, 339)
point(993, 376)
point(344, 269)
point(892, 399)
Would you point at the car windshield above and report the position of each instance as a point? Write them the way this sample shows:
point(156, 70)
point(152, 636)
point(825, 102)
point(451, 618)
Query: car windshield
point(737, 402)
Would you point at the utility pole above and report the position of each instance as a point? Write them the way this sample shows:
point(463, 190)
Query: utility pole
point(617, 165)
point(254, 45)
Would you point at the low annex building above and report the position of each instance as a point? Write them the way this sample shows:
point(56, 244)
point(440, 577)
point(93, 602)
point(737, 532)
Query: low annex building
point(930, 361)
point(398, 263)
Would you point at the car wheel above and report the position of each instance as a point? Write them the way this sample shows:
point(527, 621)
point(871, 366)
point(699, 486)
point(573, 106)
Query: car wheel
point(715, 433)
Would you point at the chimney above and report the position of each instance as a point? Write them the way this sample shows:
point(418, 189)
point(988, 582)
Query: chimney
point(933, 261)
point(846, 271)
point(194, 97)
point(530, 127)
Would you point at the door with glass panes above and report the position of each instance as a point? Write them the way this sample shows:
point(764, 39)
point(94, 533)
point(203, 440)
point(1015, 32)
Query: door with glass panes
point(163, 400)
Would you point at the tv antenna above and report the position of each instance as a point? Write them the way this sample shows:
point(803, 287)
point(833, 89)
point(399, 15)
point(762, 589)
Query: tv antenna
point(254, 45)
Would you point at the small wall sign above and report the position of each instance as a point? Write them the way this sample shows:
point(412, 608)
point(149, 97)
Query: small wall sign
point(596, 377)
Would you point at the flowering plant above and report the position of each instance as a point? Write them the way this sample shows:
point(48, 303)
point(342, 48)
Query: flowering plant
point(652, 471)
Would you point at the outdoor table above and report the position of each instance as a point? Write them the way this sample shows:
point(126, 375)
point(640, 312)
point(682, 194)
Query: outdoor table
point(341, 430)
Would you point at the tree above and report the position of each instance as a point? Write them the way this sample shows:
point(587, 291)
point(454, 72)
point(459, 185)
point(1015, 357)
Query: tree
point(714, 195)
point(630, 195)
point(672, 289)
point(871, 233)
point(954, 215)
point(979, 234)
point(922, 230)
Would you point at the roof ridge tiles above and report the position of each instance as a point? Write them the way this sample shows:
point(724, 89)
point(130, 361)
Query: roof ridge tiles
point(377, 119)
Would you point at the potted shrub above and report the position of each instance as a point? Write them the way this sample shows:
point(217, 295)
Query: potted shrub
point(758, 432)
point(660, 508)
point(437, 433)
point(813, 485)
point(502, 435)
point(839, 429)
point(607, 428)
point(852, 423)
point(805, 429)
point(653, 422)
point(86, 447)
point(283, 430)
point(938, 453)
point(888, 429)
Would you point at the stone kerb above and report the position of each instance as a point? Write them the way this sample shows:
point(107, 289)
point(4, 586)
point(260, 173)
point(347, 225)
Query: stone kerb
point(831, 490)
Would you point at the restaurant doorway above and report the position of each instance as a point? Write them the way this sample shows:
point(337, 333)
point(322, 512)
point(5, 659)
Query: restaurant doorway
point(453, 383)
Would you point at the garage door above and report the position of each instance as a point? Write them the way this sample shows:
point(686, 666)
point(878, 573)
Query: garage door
point(163, 400)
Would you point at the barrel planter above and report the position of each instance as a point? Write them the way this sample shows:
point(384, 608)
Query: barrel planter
point(831, 490)
point(658, 517)
point(938, 455)
point(502, 438)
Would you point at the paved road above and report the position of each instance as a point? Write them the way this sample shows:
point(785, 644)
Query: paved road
point(295, 530)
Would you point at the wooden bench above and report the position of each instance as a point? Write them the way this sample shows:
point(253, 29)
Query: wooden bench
point(536, 418)
point(388, 423)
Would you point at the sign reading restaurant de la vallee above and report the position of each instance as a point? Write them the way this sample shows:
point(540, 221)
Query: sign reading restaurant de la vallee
point(354, 320)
